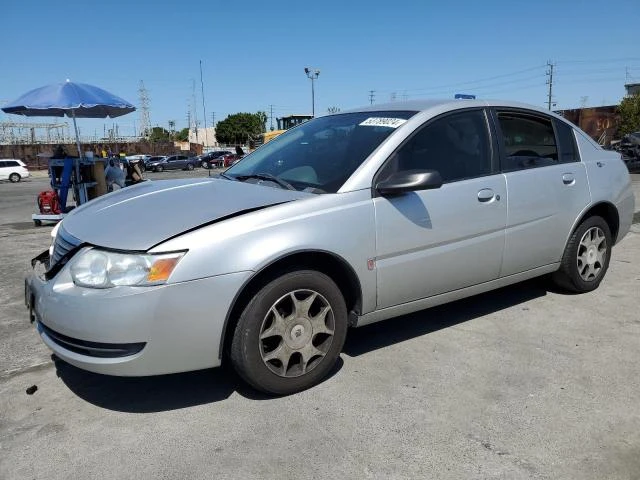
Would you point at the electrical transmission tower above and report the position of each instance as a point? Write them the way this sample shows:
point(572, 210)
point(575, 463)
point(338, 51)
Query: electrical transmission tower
point(372, 96)
point(145, 120)
point(549, 74)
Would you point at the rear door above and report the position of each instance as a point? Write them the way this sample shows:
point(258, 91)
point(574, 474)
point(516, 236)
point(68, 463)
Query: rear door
point(547, 187)
point(435, 241)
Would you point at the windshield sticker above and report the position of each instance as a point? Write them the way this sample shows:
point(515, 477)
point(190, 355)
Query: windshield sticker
point(383, 122)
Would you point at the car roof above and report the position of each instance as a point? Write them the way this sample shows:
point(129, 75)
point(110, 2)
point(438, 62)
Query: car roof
point(444, 104)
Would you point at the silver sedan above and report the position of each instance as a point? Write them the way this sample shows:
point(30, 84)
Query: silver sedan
point(345, 220)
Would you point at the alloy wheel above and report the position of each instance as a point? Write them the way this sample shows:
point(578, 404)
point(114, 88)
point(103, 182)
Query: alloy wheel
point(592, 254)
point(296, 333)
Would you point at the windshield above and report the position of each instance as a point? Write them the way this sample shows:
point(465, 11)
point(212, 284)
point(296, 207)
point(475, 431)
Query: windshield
point(320, 155)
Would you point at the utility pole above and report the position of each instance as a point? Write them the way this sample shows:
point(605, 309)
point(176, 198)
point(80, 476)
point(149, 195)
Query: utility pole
point(213, 119)
point(195, 108)
point(271, 117)
point(550, 83)
point(188, 124)
point(204, 110)
point(372, 96)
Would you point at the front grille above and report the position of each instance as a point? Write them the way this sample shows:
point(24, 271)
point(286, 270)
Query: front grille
point(63, 244)
point(92, 349)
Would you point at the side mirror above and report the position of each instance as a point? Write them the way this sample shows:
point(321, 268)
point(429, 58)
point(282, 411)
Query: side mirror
point(409, 181)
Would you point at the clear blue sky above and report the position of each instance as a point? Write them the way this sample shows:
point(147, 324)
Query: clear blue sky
point(254, 52)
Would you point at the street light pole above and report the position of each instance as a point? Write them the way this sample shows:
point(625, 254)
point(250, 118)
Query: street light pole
point(312, 74)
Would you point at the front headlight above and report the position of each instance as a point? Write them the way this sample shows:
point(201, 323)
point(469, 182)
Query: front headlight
point(95, 268)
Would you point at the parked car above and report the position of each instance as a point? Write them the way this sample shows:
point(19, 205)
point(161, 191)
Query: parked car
point(212, 159)
point(345, 220)
point(139, 160)
point(13, 169)
point(229, 159)
point(172, 162)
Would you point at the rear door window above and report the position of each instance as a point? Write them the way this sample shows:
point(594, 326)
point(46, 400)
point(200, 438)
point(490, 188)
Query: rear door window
point(528, 140)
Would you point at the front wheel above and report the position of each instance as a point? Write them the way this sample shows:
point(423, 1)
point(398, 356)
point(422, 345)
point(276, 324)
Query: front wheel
point(204, 165)
point(159, 168)
point(290, 334)
point(190, 166)
point(586, 256)
point(14, 178)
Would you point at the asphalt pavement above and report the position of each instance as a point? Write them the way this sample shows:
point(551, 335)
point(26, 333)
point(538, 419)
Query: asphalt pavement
point(524, 382)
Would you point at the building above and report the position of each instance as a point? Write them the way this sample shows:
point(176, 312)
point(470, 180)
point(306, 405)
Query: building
point(632, 88)
point(600, 123)
point(205, 137)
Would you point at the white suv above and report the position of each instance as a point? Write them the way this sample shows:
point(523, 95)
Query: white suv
point(13, 169)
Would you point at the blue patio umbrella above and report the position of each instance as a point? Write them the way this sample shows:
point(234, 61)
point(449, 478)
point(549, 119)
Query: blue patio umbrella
point(75, 100)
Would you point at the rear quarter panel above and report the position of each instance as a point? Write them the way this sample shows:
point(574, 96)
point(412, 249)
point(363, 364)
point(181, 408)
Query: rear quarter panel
point(609, 181)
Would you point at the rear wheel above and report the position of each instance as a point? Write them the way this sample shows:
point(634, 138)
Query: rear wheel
point(290, 334)
point(204, 165)
point(14, 177)
point(189, 166)
point(586, 257)
point(159, 168)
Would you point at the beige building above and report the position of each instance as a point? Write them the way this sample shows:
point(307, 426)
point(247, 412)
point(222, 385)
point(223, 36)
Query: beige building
point(205, 137)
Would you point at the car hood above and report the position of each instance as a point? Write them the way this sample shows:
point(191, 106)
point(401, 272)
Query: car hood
point(141, 216)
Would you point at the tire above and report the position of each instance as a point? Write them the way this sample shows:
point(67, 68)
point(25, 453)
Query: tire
point(586, 258)
point(159, 168)
point(190, 166)
point(14, 177)
point(204, 165)
point(257, 358)
point(37, 223)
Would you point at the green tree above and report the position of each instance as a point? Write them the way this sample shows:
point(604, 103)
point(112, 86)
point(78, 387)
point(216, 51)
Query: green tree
point(240, 127)
point(629, 111)
point(183, 135)
point(159, 134)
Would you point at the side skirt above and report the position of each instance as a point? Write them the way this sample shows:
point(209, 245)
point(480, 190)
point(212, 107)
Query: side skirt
point(410, 307)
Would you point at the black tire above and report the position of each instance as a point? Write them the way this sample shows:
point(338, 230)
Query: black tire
point(568, 276)
point(37, 223)
point(189, 166)
point(204, 165)
point(247, 347)
point(14, 177)
point(159, 168)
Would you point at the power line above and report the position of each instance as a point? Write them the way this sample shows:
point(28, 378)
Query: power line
point(471, 82)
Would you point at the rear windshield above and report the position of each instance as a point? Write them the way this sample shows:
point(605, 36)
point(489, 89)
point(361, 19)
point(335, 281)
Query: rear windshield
point(320, 155)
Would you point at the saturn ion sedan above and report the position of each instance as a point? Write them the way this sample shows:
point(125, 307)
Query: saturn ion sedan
point(345, 220)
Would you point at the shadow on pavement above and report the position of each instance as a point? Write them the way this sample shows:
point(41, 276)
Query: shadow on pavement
point(183, 390)
point(383, 334)
point(159, 393)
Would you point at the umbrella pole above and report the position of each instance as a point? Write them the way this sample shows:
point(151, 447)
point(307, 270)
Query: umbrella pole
point(76, 186)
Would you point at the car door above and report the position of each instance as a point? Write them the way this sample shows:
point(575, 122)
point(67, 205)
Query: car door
point(435, 241)
point(547, 187)
point(172, 162)
point(4, 171)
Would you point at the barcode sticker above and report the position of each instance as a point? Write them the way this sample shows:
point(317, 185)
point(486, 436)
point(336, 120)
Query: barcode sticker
point(383, 122)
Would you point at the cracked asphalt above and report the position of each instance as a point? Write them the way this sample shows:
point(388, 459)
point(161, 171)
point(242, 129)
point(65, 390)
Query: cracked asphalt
point(524, 382)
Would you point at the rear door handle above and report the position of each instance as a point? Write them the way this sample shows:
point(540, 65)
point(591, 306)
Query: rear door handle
point(568, 179)
point(486, 195)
